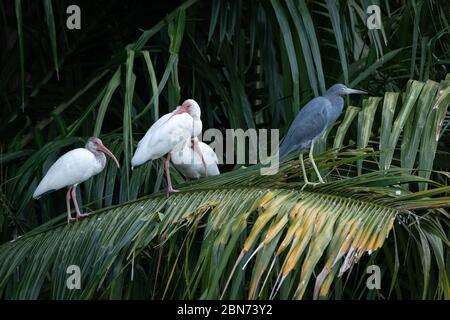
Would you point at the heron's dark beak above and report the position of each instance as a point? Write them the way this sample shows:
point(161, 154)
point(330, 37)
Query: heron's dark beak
point(104, 149)
point(355, 91)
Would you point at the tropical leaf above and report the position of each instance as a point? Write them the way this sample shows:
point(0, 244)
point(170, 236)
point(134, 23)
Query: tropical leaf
point(249, 64)
point(296, 231)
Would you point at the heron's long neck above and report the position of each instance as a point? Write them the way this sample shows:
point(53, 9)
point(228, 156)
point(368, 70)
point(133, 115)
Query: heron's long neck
point(337, 104)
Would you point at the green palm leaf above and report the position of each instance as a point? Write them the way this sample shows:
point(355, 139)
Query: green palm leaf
point(296, 231)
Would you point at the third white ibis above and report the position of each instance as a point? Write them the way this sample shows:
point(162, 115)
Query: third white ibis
point(190, 163)
point(166, 133)
point(71, 169)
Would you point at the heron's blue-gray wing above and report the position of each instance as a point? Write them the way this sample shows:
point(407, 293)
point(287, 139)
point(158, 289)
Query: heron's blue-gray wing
point(309, 124)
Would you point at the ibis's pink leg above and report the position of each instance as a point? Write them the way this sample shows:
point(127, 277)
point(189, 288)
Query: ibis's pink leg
point(199, 152)
point(75, 202)
point(170, 189)
point(69, 217)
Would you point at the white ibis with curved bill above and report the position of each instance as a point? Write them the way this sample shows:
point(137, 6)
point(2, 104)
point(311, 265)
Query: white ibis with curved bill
point(71, 169)
point(166, 133)
point(190, 163)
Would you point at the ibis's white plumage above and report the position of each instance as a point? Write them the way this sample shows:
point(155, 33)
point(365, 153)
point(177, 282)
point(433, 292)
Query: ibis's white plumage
point(70, 169)
point(166, 133)
point(73, 168)
point(190, 163)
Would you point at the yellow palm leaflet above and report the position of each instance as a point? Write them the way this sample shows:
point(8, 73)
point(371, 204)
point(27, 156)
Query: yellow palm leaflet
point(268, 213)
point(318, 244)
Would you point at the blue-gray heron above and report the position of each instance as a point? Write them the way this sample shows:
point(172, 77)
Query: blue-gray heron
point(315, 117)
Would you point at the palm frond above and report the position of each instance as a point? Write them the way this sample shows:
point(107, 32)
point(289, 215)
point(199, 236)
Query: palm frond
point(255, 239)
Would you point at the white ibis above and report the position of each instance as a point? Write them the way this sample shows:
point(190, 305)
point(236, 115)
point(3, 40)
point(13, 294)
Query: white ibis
point(166, 133)
point(71, 169)
point(190, 163)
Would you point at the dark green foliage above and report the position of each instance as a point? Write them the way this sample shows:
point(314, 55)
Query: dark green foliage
point(249, 64)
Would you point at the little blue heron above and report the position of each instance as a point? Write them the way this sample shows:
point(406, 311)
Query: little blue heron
point(315, 117)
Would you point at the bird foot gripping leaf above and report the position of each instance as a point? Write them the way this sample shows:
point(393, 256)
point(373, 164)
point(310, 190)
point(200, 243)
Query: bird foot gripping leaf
point(313, 184)
point(78, 217)
point(82, 215)
point(70, 219)
point(171, 190)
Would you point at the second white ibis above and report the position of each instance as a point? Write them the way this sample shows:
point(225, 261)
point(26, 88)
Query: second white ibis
point(165, 134)
point(191, 164)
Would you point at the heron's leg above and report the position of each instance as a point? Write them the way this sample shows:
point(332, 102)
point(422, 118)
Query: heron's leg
point(314, 164)
point(75, 202)
point(200, 153)
point(305, 176)
point(170, 189)
point(69, 216)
